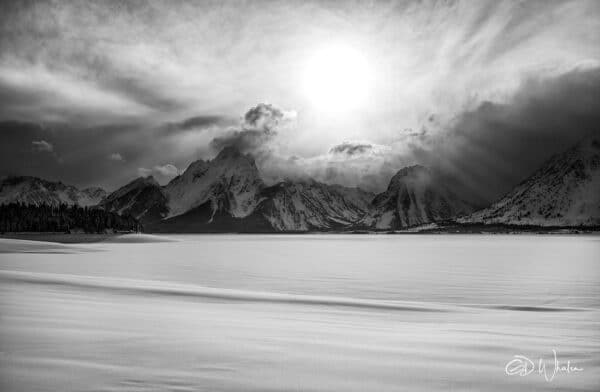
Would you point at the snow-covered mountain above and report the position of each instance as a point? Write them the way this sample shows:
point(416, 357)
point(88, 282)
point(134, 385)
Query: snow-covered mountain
point(231, 182)
point(228, 194)
point(415, 196)
point(311, 205)
point(565, 191)
point(143, 198)
point(36, 191)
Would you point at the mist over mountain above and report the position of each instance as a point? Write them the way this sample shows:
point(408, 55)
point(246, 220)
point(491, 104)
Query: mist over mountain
point(565, 191)
point(414, 197)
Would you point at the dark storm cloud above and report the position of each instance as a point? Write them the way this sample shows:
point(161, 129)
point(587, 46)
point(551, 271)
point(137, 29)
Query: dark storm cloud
point(263, 118)
point(494, 147)
point(350, 148)
point(199, 123)
point(247, 140)
point(260, 125)
point(78, 155)
point(108, 155)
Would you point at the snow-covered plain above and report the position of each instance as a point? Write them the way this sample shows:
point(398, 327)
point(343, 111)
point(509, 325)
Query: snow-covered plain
point(299, 313)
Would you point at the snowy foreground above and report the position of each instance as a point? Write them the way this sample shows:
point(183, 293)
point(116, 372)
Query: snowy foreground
point(300, 313)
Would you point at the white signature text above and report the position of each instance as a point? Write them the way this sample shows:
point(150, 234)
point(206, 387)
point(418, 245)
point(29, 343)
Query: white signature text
point(522, 366)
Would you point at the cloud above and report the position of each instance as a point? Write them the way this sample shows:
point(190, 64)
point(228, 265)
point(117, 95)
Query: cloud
point(100, 78)
point(485, 151)
point(115, 156)
point(352, 163)
point(70, 61)
point(42, 146)
point(56, 96)
point(482, 153)
point(167, 170)
point(263, 118)
point(496, 145)
point(350, 148)
point(78, 146)
point(144, 172)
point(260, 126)
point(139, 145)
point(199, 123)
point(163, 173)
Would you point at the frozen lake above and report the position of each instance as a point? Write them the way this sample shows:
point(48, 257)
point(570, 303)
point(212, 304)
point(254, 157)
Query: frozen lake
point(300, 313)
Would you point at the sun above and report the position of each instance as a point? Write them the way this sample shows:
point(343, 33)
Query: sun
point(337, 78)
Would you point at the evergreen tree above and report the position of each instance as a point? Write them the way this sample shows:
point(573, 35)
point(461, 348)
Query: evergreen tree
point(18, 217)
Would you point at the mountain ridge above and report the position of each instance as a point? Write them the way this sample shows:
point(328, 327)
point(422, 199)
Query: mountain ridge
point(37, 191)
point(228, 194)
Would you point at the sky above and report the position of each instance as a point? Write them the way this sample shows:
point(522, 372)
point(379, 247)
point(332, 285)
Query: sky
point(348, 92)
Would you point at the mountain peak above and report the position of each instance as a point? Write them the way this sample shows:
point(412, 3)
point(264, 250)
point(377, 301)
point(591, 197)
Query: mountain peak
point(231, 176)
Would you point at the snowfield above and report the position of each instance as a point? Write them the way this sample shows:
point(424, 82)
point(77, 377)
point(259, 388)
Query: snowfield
point(299, 312)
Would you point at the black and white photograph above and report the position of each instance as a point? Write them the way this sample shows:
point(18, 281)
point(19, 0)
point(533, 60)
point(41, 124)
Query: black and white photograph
point(299, 195)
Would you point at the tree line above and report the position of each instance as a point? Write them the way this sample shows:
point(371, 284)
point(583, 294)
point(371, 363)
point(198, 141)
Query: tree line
point(18, 217)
